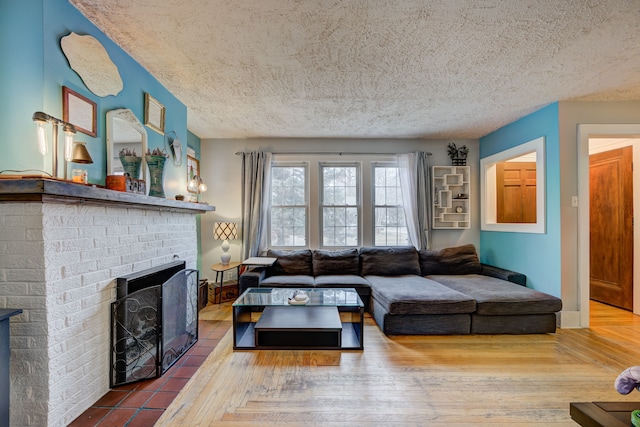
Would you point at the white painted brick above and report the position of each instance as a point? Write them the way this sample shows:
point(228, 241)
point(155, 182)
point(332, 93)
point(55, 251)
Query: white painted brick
point(23, 221)
point(25, 248)
point(14, 289)
point(37, 289)
point(117, 230)
point(24, 275)
point(26, 302)
point(69, 221)
point(73, 245)
point(92, 232)
point(95, 279)
point(13, 234)
point(55, 233)
point(79, 270)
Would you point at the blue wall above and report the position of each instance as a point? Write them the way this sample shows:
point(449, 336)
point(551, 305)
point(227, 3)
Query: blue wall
point(32, 74)
point(536, 255)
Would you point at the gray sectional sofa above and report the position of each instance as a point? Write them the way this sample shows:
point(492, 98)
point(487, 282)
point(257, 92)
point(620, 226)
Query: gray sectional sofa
point(419, 292)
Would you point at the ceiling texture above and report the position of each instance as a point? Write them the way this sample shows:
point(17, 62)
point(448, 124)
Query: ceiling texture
point(375, 68)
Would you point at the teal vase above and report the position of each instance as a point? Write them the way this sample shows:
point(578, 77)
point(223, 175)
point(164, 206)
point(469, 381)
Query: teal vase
point(131, 165)
point(156, 175)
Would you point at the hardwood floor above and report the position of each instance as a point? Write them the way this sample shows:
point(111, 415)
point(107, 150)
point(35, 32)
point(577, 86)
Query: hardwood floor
point(414, 380)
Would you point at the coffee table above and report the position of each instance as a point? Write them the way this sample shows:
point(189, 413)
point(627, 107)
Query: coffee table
point(333, 319)
point(603, 414)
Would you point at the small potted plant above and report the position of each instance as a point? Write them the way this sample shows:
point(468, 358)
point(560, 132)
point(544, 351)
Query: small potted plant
point(130, 162)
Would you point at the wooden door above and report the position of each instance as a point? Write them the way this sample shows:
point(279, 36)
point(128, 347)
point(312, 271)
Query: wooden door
point(516, 192)
point(611, 217)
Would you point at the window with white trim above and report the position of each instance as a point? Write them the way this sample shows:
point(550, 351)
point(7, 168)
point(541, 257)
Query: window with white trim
point(340, 204)
point(288, 225)
point(390, 228)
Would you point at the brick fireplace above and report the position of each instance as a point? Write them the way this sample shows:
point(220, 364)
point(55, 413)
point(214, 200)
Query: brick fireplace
point(59, 257)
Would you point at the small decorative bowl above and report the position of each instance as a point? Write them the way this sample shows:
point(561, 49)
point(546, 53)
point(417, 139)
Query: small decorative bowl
point(179, 197)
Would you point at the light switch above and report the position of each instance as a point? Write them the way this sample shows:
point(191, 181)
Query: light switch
point(574, 201)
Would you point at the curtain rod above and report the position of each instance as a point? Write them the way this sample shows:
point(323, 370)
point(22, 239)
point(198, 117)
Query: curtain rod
point(339, 153)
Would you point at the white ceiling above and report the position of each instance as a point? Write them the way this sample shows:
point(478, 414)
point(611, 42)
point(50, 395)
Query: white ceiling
point(376, 68)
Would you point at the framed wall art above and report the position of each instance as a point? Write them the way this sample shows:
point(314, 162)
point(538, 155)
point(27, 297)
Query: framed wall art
point(80, 111)
point(154, 113)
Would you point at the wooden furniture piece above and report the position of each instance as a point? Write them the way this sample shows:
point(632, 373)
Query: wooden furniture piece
point(603, 414)
point(299, 326)
point(451, 205)
point(5, 353)
point(332, 319)
point(220, 268)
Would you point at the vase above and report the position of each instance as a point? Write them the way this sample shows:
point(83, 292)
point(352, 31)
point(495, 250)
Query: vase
point(156, 172)
point(131, 165)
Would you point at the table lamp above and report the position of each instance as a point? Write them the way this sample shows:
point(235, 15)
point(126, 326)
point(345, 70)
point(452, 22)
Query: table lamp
point(225, 231)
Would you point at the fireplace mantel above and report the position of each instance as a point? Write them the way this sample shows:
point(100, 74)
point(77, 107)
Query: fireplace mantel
point(57, 191)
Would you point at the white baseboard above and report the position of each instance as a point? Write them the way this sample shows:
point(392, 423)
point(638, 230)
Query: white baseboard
point(569, 320)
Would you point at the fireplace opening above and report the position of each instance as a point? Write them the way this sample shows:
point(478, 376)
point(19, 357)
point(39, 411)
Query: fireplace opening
point(154, 321)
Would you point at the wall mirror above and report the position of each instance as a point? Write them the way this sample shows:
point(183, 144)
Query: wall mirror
point(90, 60)
point(124, 131)
point(512, 185)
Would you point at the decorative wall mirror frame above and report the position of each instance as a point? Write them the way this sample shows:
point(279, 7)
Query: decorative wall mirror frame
point(124, 130)
point(90, 60)
point(488, 208)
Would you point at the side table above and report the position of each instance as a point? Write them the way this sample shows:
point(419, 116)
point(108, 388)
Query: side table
point(220, 268)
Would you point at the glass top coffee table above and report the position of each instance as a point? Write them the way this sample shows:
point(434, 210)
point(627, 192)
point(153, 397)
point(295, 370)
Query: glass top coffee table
point(331, 318)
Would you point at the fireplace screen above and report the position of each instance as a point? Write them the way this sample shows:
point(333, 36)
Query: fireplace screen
point(154, 326)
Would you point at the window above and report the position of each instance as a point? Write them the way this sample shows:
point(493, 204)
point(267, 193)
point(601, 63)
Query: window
point(340, 204)
point(390, 227)
point(288, 220)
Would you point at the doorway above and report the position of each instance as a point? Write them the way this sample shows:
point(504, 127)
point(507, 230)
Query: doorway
point(611, 222)
point(586, 134)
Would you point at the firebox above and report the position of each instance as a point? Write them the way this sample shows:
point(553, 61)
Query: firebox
point(154, 321)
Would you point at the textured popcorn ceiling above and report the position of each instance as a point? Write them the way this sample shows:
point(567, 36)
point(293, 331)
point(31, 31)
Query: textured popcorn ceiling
point(376, 68)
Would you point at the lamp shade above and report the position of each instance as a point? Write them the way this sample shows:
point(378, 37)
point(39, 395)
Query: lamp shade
point(80, 154)
point(225, 231)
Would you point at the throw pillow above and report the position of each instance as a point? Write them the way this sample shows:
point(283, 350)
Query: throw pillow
point(291, 262)
point(457, 260)
point(393, 261)
point(344, 261)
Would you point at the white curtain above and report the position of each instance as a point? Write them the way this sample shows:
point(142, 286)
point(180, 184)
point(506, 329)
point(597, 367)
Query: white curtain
point(415, 184)
point(256, 183)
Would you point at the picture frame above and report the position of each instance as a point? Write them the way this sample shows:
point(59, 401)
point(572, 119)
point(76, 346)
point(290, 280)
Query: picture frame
point(80, 111)
point(193, 169)
point(154, 114)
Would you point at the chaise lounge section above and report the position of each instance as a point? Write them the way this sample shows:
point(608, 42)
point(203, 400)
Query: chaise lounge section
point(410, 292)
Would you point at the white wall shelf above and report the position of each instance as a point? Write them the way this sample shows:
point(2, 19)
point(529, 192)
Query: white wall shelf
point(451, 208)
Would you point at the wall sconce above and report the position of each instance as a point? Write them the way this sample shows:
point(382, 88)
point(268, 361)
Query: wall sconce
point(197, 185)
point(225, 231)
point(41, 119)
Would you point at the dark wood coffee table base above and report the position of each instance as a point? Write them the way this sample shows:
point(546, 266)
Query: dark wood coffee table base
point(299, 327)
point(603, 414)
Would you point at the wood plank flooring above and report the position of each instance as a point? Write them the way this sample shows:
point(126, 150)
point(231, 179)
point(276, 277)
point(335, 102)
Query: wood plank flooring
point(523, 380)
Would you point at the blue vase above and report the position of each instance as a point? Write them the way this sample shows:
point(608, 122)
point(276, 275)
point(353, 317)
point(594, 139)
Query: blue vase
point(156, 175)
point(131, 165)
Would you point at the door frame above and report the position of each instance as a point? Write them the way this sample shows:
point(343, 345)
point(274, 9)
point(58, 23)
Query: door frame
point(586, 132)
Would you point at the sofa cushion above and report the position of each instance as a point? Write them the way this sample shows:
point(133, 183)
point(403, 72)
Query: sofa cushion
point(499, 297)
point(341, 281)
point(344, 261)
point(457, 260)
point(291, 262)
point(412, 294)
point(393, 261)
point(288, 281)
